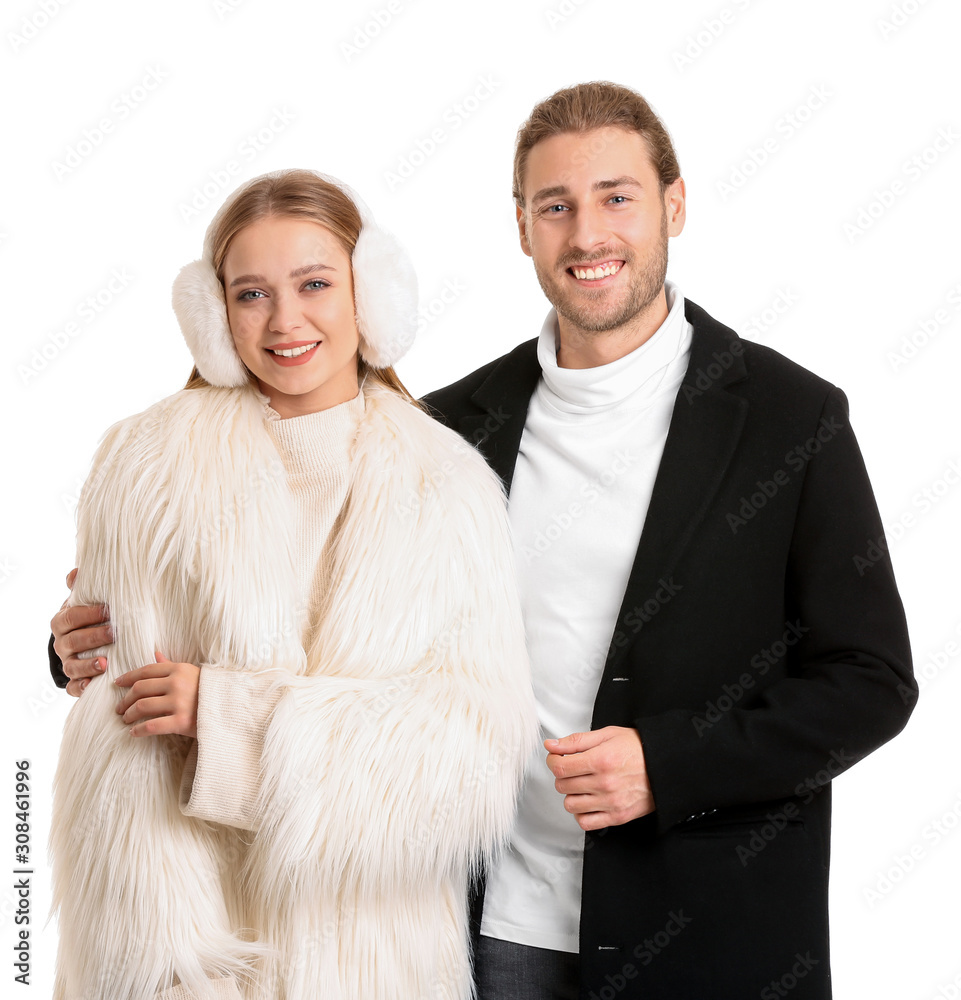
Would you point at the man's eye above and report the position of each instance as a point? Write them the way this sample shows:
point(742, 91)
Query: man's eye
point(555, 209)
point(619, 199)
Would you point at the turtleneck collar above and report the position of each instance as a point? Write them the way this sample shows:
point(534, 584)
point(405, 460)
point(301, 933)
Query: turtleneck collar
point(315, 440)
point(641, 375)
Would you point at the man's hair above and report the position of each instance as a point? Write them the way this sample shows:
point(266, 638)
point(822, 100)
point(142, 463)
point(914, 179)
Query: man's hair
point(589, 106)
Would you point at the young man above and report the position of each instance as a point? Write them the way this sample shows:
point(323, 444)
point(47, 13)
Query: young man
point(688, 511)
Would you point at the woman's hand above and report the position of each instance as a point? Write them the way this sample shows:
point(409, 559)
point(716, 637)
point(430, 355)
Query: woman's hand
point(162, 698)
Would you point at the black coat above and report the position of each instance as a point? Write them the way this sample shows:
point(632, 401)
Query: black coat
point(760, 649)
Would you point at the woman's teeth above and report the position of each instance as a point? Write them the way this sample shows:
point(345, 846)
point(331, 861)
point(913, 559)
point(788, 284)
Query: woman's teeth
point(593, 273)
point(294, 352)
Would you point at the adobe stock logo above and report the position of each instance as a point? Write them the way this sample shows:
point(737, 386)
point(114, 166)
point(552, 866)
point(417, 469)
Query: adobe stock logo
point(731, 694)
point(377, 20)
point(797, 458)
point(899, 16)
point(705, 378)
point(766, 319)
point(926, 330)
point(644, 952)
point(782, 987)
point(118, 111)
point(925, 500)
point(913, 169)
point(556, 16)
point(711, 29)
point(86, 311)
point(221, 178)
point(906, 861)
point(759, 154)
point(32, 24)
point(452, 118)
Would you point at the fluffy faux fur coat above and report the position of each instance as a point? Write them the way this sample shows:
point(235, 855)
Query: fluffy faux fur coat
point(390, 763)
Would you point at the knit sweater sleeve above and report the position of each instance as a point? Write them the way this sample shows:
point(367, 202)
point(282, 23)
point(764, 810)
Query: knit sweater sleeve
point(221, 775)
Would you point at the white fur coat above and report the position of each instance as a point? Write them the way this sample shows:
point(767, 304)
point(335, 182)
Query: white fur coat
point(390, 763)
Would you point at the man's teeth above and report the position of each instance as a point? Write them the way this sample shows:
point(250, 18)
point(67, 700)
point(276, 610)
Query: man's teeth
point(593, 273)
point(294, 352)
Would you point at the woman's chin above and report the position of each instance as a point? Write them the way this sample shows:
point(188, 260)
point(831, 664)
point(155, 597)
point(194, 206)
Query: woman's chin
point(296, 396)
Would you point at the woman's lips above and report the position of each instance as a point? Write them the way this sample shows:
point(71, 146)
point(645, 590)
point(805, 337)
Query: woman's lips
point(287, 361)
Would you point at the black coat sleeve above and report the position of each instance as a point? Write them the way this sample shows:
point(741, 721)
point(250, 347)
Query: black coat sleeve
point(849, 687)
point(56, 666)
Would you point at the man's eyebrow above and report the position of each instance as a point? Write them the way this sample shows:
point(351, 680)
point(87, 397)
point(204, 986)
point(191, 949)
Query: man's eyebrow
point(624, 181)
point(252, 279)
point(549, 192)
point(559, 190)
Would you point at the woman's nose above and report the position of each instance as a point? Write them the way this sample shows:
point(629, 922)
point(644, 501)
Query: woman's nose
point(286, 314)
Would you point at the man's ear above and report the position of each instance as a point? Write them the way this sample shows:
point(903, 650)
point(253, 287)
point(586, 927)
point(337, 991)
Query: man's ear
point(675, 205)
point(522, 231)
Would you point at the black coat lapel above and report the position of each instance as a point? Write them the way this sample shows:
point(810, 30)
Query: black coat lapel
point(505, 395)
point(705, 427)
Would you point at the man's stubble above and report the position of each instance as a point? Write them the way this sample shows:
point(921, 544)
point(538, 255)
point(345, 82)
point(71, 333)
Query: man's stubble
point(647, 277)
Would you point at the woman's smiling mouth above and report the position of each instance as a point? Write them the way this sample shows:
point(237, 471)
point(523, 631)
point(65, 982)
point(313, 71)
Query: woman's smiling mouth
point(293, 354)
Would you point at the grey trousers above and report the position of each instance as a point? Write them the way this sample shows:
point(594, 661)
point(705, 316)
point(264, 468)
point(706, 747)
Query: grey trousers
point(508, 971)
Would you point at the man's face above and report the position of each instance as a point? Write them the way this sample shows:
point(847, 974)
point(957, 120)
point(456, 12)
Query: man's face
point(596, 226)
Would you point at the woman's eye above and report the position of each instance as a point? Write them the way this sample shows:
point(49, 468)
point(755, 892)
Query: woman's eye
point(317, 283)
point(249, 295)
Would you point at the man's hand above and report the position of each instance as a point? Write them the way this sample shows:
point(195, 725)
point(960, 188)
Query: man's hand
point(162, 698)
point(77, 630)
point(602, 776)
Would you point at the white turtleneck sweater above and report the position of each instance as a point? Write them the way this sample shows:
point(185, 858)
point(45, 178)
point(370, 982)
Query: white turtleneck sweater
point(582, 484)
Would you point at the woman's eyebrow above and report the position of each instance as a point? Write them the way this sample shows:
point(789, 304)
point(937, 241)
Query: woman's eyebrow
point(297, 273)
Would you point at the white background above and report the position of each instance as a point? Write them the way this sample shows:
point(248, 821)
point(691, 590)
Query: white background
point(326, 87)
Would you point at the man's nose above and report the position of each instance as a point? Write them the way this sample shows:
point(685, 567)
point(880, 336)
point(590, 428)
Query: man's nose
point(591, 229)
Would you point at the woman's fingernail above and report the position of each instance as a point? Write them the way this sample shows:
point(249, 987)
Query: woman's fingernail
point(84, 683)
point(101, 663)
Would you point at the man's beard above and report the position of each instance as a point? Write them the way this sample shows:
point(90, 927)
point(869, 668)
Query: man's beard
point(646, 282)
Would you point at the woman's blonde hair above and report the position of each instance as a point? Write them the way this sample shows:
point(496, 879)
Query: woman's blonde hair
point(297, 194)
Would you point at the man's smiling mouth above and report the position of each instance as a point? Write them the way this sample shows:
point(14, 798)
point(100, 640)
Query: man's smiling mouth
point(594, 272)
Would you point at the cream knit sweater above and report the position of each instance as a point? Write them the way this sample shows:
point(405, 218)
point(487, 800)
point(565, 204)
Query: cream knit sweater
point(315, 450)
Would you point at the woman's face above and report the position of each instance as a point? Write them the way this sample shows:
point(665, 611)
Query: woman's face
point(289, 289)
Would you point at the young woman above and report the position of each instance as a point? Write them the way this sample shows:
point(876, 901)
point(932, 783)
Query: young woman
point(317, 709)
